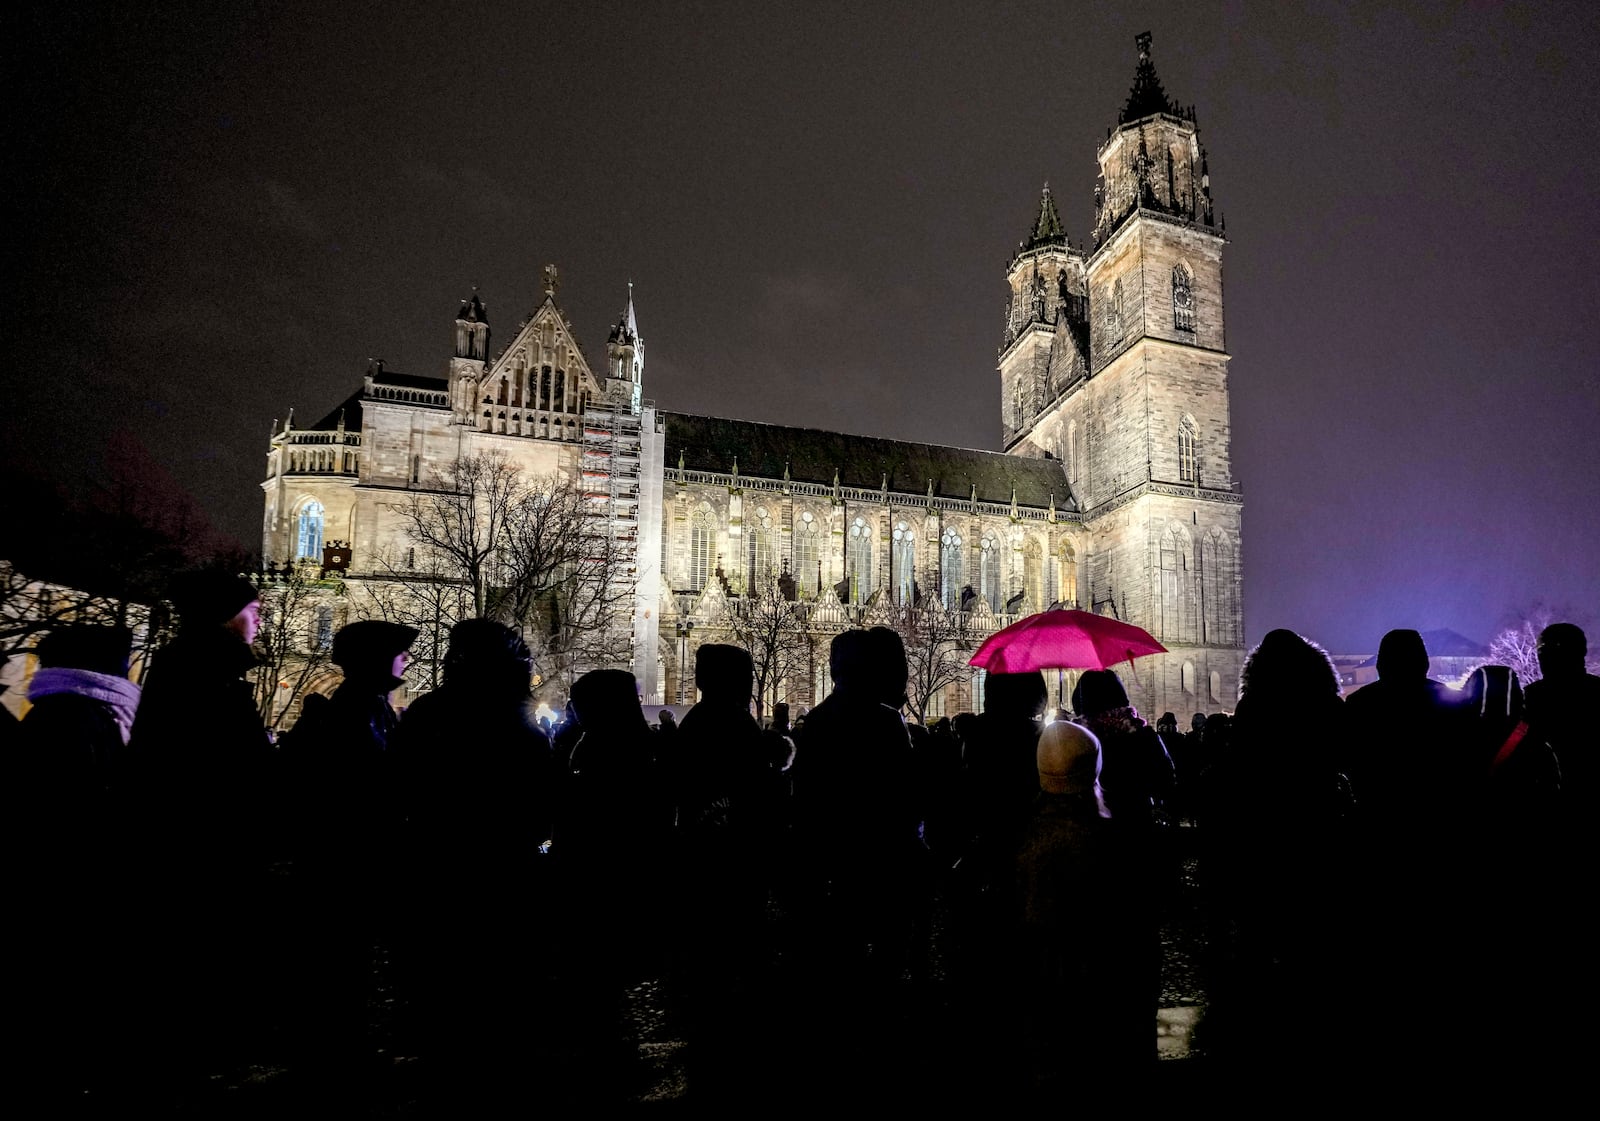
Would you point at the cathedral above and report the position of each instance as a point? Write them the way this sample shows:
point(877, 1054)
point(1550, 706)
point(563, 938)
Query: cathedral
point(1112, 490)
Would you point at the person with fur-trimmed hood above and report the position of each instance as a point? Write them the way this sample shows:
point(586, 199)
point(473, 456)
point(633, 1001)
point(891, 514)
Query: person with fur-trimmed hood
point(77, 862)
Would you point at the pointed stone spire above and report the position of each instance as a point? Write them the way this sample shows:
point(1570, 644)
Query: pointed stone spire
point(1047, 226)
point(930, 494)
point(628, 316)
point(1146, 96)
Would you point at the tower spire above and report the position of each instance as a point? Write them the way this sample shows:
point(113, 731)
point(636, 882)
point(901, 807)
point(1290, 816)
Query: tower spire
point(1146, 96)
point(1047, 226)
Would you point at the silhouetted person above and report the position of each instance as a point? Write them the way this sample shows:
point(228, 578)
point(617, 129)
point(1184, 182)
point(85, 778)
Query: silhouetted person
point(610, 843)
point(726, 816)
point(480, 786)
point(856, 828)
point(1405, 739)
point(208, 769)
point(1080, 982)
point(77, 863)
point(1564, 709)
point(1277, 864)
point(342, 783)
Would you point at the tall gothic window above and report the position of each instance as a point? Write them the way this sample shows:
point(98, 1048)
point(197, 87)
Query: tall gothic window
point(308, 535)
point(950, 569)
point(1218, 609)
point(904, 559)
point(700, 550)
point(1182, 298)
point(1177, 585)
point(989, 572)
point(1188, 466)
point(1067, 581)
point(1114, 315)
point(860, 559)
point(807, 551)
point(1033, 577)
point(762, 552)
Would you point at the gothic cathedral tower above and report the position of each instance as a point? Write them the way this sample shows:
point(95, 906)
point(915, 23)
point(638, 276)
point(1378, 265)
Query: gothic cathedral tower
point(1115, 362)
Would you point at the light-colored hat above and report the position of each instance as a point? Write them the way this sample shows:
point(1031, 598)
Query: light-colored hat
point(1069, 759)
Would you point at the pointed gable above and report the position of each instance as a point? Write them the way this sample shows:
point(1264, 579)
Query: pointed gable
point(546, 339)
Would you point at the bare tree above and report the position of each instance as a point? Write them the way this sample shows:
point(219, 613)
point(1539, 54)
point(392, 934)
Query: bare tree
point(419, 591)
point(295, 640)
point(489, 542)
point(938, 644)
point(772, 628)
point(465, 520)
point(1518, 646)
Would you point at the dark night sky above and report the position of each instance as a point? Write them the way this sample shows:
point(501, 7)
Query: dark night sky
point(220, 211)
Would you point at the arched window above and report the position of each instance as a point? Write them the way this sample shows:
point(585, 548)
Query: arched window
point(859, 548)
point(1216, 688)
point(1073, 468)
point(762, 550)
point(1067, 585)
point(989, 572)
point(1219, 615)
point(308, 536)
point(1182, 297)
point(1188, 678)
point(1018, 405)
point(951, 567)
point(807, 549)
point(700, 549)
point(1033, 577)
point(1188, 465)
point(1114, 314)
point(1177, 585)
point(904, 559)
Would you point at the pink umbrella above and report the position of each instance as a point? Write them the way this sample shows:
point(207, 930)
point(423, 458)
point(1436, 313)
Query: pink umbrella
point(1064, 640)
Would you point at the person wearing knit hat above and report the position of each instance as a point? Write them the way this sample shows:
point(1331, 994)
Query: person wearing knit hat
point(213, 598)
point(1069, 762)
point(1081, 987)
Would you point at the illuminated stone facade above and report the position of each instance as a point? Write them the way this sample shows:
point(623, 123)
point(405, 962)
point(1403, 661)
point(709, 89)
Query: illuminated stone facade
point(1113, 491)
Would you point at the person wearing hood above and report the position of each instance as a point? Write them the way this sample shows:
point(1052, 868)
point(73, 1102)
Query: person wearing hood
point(341, 783)
point(208, 771)
point(78, 865)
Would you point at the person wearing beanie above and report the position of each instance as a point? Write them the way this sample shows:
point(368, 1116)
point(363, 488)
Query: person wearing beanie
point(1079, 992)
point(208, 771)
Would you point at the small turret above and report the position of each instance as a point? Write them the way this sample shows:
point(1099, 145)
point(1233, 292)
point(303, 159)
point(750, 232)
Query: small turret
point(625, 357)
point(472, 328)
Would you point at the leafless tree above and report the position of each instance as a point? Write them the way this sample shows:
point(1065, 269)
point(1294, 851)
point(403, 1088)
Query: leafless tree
point(938, 644)
point(772, 628)
point(298, 618)
point(489, 542)
point(419, 591)
point(1517, 646)
point(464, 519)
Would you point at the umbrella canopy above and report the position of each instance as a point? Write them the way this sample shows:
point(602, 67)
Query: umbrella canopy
point(1063, 640)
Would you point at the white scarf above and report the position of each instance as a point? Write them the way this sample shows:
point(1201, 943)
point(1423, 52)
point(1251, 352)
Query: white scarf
point(118, 694)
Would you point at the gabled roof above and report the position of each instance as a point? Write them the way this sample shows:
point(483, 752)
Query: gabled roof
point(350, 407)
point(813, 456)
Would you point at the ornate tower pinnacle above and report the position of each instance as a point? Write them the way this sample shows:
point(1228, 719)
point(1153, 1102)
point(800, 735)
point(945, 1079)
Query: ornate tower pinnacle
point(625, 354)
point(472, 328)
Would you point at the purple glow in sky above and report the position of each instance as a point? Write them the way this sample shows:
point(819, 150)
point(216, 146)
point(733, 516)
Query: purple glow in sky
point(226, 212)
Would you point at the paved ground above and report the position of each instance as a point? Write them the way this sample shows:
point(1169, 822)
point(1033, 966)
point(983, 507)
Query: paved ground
point(652, 1074)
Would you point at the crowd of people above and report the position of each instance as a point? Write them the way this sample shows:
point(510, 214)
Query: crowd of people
point(1408, 863)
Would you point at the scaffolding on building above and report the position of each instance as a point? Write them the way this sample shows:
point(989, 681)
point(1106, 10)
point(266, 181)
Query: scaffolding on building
point(611, 491)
